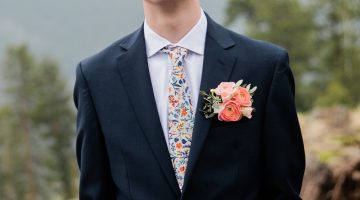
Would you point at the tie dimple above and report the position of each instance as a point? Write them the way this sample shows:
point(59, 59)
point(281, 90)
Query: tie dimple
point(180, 113)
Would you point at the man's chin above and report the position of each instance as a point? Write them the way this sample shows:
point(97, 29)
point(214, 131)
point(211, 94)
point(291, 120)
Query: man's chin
point(161, 1)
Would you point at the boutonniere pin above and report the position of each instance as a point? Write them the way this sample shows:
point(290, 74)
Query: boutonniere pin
point(230, 101)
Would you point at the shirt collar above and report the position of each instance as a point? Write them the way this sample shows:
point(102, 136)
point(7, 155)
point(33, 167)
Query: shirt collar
point(194, 40)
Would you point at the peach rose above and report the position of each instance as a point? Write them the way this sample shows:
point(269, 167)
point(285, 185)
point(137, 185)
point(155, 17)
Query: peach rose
point(247, 112)
point(230, 112)
point(225, 90)
point(242, 97)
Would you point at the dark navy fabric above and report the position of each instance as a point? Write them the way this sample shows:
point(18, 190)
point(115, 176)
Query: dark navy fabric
point(121, 149)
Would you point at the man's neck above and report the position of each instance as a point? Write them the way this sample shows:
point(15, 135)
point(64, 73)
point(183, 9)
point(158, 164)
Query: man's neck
point(172, 19)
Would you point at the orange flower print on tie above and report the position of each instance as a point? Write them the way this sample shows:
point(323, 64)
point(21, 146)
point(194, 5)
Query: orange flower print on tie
point(180, 113)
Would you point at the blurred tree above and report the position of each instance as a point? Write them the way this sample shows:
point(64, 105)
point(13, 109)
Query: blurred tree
point(38, 134)
point(287, 23)
point(335, 93)
point(54, 115)
point(321, 36)
point(12, 158)
point(339, 31)
point(21, 169)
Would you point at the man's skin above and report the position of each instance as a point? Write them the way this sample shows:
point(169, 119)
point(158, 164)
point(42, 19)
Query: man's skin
point(172, 19)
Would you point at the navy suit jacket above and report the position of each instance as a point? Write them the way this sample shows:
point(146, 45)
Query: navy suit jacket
point(121, 149)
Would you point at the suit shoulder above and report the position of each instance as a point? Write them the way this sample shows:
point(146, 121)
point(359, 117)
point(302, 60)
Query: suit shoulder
point(258, 47)
point(107, 56)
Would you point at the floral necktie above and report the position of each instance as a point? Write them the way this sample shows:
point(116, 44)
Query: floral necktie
point(180, 113)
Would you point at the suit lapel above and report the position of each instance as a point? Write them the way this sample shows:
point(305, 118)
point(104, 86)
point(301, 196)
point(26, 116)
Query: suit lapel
point(218, 65)
point(134, 71)
point(133, 67)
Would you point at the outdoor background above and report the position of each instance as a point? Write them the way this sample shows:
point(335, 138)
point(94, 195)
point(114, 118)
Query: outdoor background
point(41, 42)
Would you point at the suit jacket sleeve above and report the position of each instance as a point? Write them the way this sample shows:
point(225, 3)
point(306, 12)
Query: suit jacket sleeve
point(284, 156)
point(95, 177)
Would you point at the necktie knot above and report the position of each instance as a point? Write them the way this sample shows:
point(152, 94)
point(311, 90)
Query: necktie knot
point(176, 54)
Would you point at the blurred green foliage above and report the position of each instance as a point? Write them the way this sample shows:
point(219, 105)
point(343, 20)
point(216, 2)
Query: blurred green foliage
point(322, 37)
point(36, 130)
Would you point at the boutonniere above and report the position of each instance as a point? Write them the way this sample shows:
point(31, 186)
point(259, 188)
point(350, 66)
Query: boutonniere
point(230, 101)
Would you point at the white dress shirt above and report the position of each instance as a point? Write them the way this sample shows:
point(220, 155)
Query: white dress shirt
point(160, 67)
